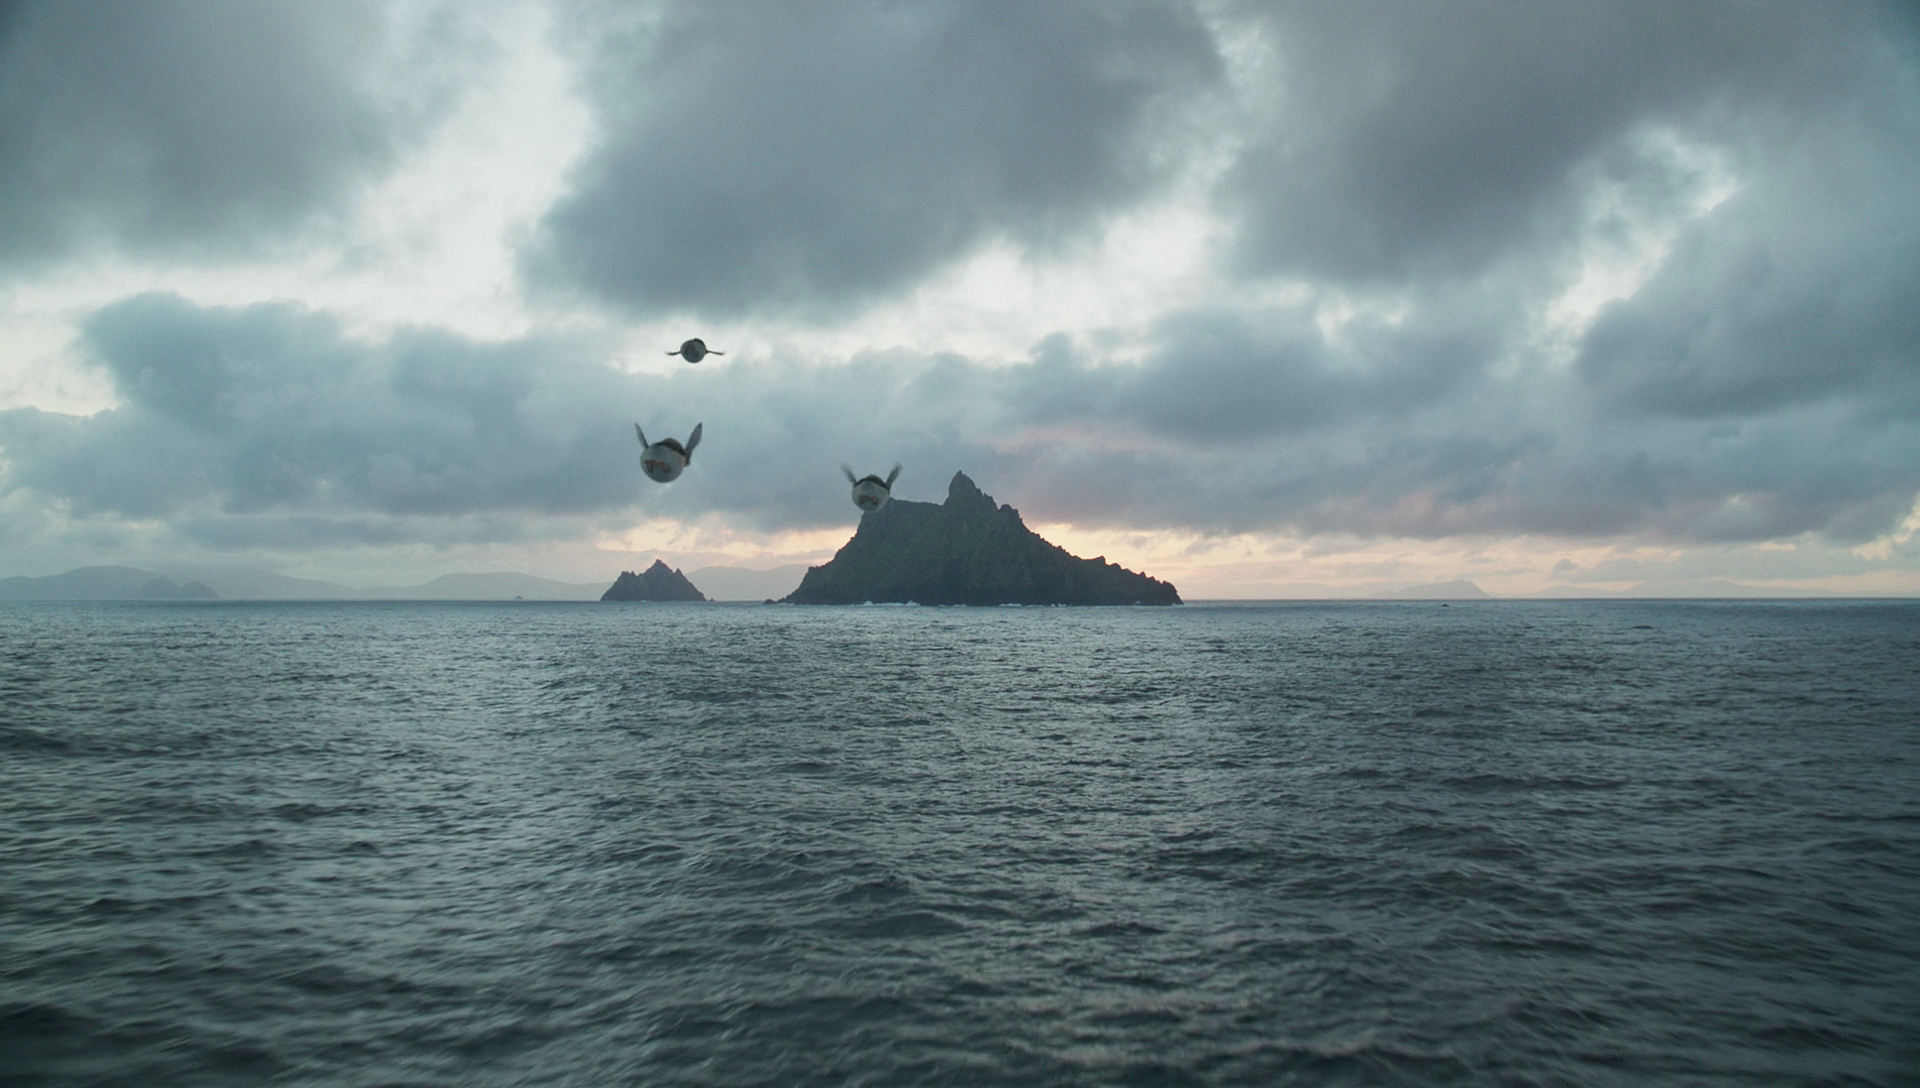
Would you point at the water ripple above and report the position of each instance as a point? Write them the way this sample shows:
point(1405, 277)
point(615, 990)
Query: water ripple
point(1566, 843)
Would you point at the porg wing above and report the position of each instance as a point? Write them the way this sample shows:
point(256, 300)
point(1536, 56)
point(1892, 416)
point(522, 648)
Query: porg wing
point(693, 439)
point(848, 469)
point(643, 436)
point(892, 476)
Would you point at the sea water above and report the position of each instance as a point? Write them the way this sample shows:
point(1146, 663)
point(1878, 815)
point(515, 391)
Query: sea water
point(1401, 843)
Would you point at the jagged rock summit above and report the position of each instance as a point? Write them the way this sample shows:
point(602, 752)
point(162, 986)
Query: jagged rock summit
point(659, 583)
point(966, 551)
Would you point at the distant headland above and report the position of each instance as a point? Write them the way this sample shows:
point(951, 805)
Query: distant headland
point(966, 551)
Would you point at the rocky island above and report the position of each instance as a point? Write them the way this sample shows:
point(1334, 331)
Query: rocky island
point(659, 583)
point(966, 551)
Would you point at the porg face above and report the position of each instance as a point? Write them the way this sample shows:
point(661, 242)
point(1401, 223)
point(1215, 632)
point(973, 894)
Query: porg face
point(664, 461)
point(871, 494)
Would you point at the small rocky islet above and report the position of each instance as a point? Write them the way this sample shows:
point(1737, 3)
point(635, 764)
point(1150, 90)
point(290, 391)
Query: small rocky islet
point(657, 583)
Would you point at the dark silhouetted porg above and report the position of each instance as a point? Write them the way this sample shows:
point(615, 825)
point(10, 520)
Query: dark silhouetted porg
point(666, 459)
point(694, 350)
point(871, 492)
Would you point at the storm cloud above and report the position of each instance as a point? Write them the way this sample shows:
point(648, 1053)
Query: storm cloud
point(196, 128)
point(257, 423)
point(1586, 272)
point(1428, 138)
point(807, 158)
point(271, 408)
point(1798, 288)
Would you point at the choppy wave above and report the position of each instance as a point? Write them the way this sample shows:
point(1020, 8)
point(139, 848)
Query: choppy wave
point(1565, 843)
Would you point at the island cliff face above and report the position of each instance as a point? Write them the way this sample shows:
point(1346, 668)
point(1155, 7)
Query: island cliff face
point(966, 551)
point(659, 583)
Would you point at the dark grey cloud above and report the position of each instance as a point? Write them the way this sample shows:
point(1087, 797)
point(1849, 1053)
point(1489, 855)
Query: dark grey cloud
point(803, 158)
point(266, 426)
point(1427, 138)
point(1409, 430)
point(195, 126)
point(270, 409)
point(1761, 385)
point(1220, 378)
point(1432, 163)
point(1793, 297)
point(1799, 287)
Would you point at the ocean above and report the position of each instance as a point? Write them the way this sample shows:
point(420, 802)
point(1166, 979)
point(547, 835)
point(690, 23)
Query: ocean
point(1579, 843)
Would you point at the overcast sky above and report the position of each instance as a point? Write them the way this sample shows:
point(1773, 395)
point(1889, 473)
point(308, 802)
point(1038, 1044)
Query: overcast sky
point(1254, 297)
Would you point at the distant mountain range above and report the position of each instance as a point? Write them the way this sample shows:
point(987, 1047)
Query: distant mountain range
point(131, 583)
point(504, 586)
point(105, 583)
point(1458, 590)
point(102, 584)
point(1682, 588)
point(1667, 589)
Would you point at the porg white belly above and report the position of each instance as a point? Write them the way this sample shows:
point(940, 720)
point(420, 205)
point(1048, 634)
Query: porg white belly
point(662, 463)
point(870, 493)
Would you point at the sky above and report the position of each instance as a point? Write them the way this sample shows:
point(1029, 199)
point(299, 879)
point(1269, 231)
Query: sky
point(1265, 299)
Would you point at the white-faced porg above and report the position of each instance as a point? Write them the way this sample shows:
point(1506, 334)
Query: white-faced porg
point(666, 459)
point(694, 350)
point(871, 492)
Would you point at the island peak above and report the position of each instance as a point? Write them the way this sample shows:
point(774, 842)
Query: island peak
point(659, 583)
point(967, 550)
